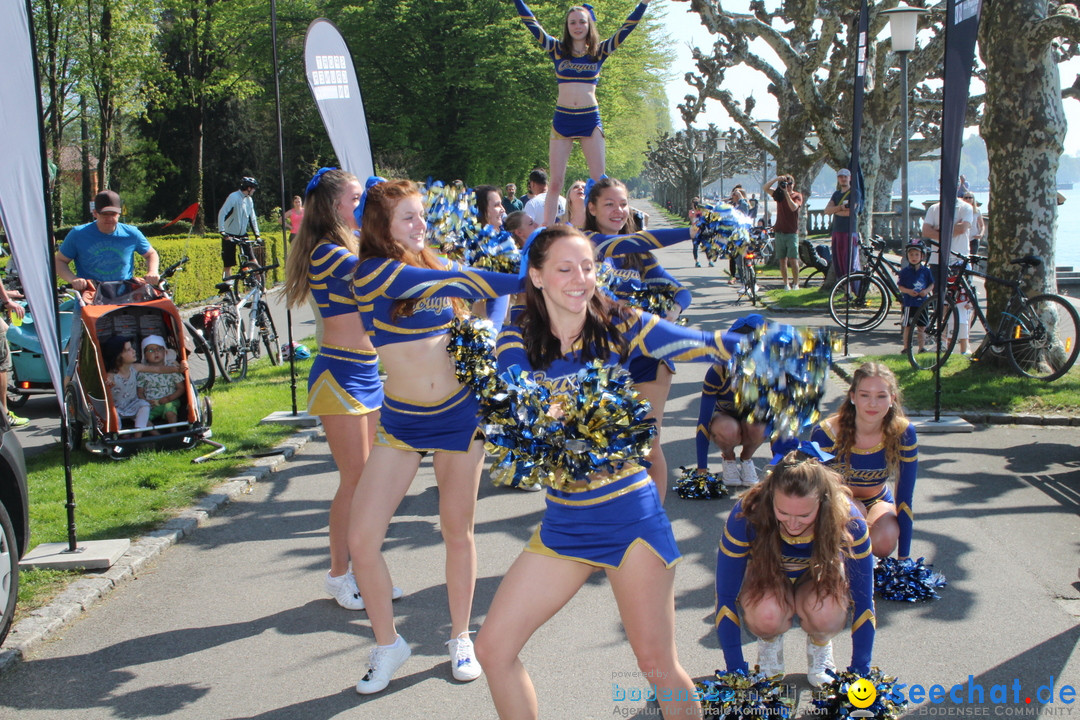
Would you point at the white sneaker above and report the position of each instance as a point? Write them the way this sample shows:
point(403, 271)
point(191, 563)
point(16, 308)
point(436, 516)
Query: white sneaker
point(748, 473)
point(770, 656)
point(463, 662)
point(818, 658)
point(730, 475)
point(343, 589)
point(383, 662)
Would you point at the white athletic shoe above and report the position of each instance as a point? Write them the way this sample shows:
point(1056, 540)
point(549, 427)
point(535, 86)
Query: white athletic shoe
point(770, 656)
point(343, 589)
point(463, 662)
point(748, 473)
point(383, 662)
point(731, 475)
point(818, 658)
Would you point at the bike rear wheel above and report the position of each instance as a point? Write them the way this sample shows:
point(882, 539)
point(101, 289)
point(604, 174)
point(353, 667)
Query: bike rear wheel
point(934, 331)
point(814, 278)
point(200, 360)
point(751, 283)
point(229, 344)
point(1043, 338)
point(269, 334)
point(859, 302)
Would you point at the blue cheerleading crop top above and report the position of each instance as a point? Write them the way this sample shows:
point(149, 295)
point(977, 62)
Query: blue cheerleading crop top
point(717, 395)
point(869, 469)
point(379, 282)
point(646, 336)
point(583, 68)
point(639, 242)
point(736, 546)
point(330, 277)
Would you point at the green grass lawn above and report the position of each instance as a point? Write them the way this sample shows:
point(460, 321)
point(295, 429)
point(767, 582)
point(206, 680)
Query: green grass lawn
point(128, 498)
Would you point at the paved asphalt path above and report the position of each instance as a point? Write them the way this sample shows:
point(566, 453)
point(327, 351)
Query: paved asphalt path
point(232, 622)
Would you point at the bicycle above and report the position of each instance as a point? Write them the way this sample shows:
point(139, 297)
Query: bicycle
point(861, 300)
point(746, 270)
point(1038, 335)
point(234, 339)
point(250, 252)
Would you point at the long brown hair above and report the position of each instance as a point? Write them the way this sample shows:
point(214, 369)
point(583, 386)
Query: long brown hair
point(798, 476)
point(892, 425)
point(321, 223)
point(376, 242)
point(599, 334)
point(592, 38)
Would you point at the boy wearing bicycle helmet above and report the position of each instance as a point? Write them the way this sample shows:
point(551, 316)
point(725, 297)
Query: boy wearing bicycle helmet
point(916, 284)
point(234, 217)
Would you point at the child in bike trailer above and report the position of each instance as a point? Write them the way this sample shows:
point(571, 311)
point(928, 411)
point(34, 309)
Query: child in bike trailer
point(916, 284)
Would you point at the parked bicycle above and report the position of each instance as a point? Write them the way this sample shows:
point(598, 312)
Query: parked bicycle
point(237, 340)
point(1038, 335)
point(249, 252)
point(746, 267)
point(861, 301)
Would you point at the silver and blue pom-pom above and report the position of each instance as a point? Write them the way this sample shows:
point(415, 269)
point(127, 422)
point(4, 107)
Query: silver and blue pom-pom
point(450, 211)
point(778, 376)
point(472, 349)
point(721, 230)
point(831, 699)
point(907, 580)
point(739, 695)
point(694, 485)
point(536, 435)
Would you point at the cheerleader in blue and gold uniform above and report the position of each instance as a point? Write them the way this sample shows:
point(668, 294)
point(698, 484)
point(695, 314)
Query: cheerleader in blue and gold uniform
point(344, 388)
point(796, 544)
point(611, 520)
point(408, 299)
point(874, 443)
point(578, 57)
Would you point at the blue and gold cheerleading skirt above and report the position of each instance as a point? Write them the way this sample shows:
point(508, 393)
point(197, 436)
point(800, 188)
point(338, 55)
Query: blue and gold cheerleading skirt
point(344, 381)
point(448, 425)
point(599, 525)
point(575, 122)
point(645, 369)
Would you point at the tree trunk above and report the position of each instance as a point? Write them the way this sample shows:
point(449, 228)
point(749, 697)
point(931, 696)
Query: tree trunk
point(88, 189)
point(199, 227)
point(1024, 129)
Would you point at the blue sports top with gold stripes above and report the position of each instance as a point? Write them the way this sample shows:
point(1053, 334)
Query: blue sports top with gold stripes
point(584, 68)
point(868, 469)
point(716, 396)
point(330, 276)
point(736, 545)
point(639, 242)
point(379, 282)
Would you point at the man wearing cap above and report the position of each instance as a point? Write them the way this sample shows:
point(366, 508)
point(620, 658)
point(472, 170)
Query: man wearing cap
point(103, 250)
point(844, 252)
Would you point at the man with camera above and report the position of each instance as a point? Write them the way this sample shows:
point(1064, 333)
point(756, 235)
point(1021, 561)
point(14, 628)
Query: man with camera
point(786, 227)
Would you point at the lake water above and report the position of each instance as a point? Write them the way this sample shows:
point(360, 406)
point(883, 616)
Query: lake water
point(1068, 222)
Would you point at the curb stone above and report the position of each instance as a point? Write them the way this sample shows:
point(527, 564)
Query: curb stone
point(87, 591)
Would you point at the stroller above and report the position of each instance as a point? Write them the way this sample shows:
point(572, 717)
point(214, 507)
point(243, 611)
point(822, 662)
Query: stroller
point(135, 311)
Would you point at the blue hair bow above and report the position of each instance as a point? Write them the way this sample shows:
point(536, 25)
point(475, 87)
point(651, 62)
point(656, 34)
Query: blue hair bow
point(806, 447)
point(314, 182)
point(359, 211)
point(590, 183)
point(524, 269)
point(592, 12)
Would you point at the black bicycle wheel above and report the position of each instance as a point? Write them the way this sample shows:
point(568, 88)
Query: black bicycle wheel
point(922, 351)
point(859, 302)
point(751, 283)
point(229, 344)
point(814, 278)
point(1044, 335)
point(269, 334)
point(200, 360)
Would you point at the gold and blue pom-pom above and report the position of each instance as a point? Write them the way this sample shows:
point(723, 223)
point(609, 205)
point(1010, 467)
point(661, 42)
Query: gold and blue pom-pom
point(778, 376)
point(556, 439)
point(472, 349)
point(694, 485)
point(720, 229)
point(658, 299)
point(490, 250)
point(907, 580)
point(450, 211)
point(831, 699)
point(739, 695)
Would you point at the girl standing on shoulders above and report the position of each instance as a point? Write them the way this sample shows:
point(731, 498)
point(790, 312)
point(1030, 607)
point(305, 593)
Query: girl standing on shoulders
point(795, 544)
point(613, 520)
point(578, 58)
point(408, 300)
point(874, 442)
point(344, 389)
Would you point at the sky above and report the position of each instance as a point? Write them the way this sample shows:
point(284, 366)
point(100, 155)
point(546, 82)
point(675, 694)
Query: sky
point(684, 27)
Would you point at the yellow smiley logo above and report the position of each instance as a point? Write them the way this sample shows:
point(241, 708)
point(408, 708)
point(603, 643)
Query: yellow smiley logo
point(862, 693)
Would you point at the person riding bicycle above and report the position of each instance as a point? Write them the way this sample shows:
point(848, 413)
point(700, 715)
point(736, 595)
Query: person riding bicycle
point(916, 284)
point(233, 219)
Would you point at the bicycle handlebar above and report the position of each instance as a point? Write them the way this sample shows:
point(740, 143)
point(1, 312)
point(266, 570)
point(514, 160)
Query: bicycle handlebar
point(247, 271)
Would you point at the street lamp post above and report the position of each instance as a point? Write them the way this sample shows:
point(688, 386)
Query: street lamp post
point(721, 145)
point(903, 24)
point(766, 128)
